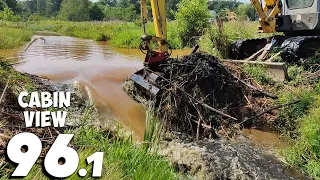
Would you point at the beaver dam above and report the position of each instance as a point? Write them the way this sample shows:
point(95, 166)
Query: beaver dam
point(200, 96)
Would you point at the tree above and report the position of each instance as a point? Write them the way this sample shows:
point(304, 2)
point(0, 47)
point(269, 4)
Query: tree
point(96, 13)
point(192, 17)
point(12, 4)
point(171, 8)
point(108, 2)
point(2, 5)
point(220, 5)
point(247, 11)
point(75, 10)
point(119, 13)
point(8, 14)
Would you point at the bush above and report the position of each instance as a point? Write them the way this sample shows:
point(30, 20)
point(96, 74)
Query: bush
point(246, 12)
point(215, 41)
point(74, 10)
point(8, 15)
point(34, 17)
point(96, 13)
point(120, 13)
point(192, 17)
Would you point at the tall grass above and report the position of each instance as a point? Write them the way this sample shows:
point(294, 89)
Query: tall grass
point(305, 153)
point(13, 37)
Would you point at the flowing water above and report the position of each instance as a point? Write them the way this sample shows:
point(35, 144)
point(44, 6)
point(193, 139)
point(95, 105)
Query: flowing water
point(94, 65)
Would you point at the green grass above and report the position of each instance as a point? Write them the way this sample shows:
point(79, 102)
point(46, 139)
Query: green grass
point(258, 73)
point(13, 37)
point(305, 153)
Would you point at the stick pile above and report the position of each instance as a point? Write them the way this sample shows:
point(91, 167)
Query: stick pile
point(198, 93)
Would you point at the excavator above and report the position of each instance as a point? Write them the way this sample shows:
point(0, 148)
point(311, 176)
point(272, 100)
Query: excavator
point(297, 20)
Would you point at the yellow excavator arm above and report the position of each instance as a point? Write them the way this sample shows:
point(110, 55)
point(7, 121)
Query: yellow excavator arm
point(267, 14)
point(160, 25)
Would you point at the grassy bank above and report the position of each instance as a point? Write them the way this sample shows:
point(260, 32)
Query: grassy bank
point(305, 152)
point(117, 33)
point(299, 123)
point(13, 37)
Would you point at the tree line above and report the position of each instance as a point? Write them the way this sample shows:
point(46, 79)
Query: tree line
point(85, 10)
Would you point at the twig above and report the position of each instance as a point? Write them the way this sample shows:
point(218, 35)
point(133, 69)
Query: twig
point(4, 90)
point(273, 108)
point(249, 85)
point(13, 116)
point(201, 103)
point(31, 42)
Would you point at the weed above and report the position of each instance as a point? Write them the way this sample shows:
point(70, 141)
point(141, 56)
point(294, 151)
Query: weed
point(258, 73)
point(13, 37)
point(215, 41)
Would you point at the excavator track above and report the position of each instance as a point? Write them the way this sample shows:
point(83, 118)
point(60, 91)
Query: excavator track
point(242, 49)
point(299, 47)
point(292, 48)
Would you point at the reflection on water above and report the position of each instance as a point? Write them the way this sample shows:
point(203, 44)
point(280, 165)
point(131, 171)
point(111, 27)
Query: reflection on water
point(94, 65)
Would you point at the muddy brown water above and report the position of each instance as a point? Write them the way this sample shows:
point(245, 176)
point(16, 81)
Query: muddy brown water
point(97, 66)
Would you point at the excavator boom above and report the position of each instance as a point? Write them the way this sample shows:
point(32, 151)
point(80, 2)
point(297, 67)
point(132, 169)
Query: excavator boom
point(146, 78)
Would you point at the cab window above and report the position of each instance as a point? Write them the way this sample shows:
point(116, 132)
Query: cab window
point(299, 4)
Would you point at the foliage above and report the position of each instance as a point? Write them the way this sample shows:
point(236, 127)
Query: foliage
point(192, 17)
point(13, 37)
point(289, 115)
point(96, 13)
point(34, 17)
point(215, 41)
point(305, 153)
point(8, 15)
point(231, 31)
point(121, 13)
point(74, 10)
point(221, 5)
point(12, 4)
point(171, 8)
point(2, 5)
point(246, 11)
